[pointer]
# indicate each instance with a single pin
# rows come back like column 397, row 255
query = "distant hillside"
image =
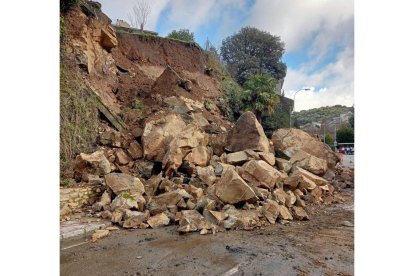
column 319, row 114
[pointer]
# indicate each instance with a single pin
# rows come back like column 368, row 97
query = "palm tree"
column 259, row 94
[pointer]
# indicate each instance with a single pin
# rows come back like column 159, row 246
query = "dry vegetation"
column 79, row 118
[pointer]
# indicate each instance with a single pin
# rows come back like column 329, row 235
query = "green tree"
column 278, row 119
column 182, row 34
column 351, row 121
column 296, row 124
column 231, row 105
column 329, row 139
column 345, row 135
column 259, row 94
column 252, row 51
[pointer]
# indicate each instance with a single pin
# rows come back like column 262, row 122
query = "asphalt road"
column 321, row 246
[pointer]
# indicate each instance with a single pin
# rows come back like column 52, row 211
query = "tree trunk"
column 142, row 27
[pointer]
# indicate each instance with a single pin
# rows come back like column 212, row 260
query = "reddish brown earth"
column 320, row 246
column 130, row 71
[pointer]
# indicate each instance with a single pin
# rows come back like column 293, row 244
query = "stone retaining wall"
column 77, row 197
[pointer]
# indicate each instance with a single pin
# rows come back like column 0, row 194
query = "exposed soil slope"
column 124, row 69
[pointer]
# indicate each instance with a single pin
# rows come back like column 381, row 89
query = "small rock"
column 135, row 150
column 271, row 211
column 117, row 216
column 299, row 213
column 124, row 200
column 268, row 157
column 105, row 199
column 106, row 214
column 346, row 223
column 284, row 213
column 99, row 234
column 121, row 157
column 191, row 220
column 112, row 228
column 283, row 165
column 65, row 211
column 203, row 231
column 136, row 220
column 206, row 174
column 158, row 220
column 237, row 158
column 144, row 168
column 215, row 217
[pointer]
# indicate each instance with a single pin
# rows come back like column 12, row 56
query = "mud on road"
column 321, row 246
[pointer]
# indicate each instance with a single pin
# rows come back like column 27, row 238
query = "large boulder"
column 231, row 188
column 158, row 134
column 95, row 163
column 289, row 141
column 184, row 143
column 247, row 133
column 120, row 182
column 316, row 179
column 309, row 162
column 261, row 174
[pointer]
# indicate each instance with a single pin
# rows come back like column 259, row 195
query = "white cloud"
column 189, row 13
column 331, row 85
column 319, row 28
column 296, row 21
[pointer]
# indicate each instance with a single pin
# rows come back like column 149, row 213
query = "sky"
column 318, row 36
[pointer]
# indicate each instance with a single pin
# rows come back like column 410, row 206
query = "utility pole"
column 291, row 111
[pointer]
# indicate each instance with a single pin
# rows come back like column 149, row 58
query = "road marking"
column 74, row 245
column 232, row 271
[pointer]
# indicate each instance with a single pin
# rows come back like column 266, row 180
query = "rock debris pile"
column 176, row 171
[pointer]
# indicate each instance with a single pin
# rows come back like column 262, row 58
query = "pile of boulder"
column 170, row 173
